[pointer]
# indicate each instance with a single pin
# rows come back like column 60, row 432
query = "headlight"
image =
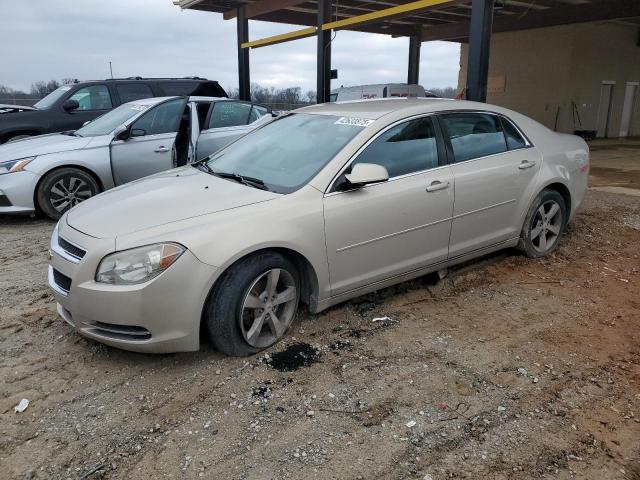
column 137, row 265
column 15, row 165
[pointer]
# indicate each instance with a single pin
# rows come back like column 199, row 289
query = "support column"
column 323, row 88
column 413, row 74
column 244, row 88
column 479, row 45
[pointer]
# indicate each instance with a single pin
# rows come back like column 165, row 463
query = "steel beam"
column 284, row 37
column 244, row 79
column 413, row 72
column 323, row 88
column 479, row 45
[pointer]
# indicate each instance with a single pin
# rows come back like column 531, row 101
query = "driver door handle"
column 437, row 185
column 526, row 164
column 161, row 149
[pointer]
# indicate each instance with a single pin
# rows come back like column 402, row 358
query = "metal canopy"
column 445, row 21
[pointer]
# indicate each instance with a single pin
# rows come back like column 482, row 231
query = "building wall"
column 541, row 72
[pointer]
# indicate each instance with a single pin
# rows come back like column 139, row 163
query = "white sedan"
column 319, row 206
column 54, row 172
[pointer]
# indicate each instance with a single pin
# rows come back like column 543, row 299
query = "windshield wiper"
column 250, row 181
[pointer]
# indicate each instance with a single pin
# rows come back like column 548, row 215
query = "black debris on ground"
column 293, row 357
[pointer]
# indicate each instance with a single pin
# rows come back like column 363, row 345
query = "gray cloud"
column 69, row 38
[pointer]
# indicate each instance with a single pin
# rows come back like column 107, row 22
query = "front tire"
column 18, row 137
column 253, row 304
column 544, row 225
column 63, row 189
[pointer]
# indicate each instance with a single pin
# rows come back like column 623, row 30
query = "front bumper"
column 159, row 316
column 17, row 192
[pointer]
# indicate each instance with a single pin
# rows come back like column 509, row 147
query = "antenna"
column 110, row 69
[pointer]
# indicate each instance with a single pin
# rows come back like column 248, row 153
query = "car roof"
column 376, row 108
column 157, row 100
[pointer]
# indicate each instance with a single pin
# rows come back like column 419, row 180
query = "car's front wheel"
column 544, row 224
column 64, row 188
column 253, row 304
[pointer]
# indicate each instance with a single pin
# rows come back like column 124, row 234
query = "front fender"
column 94, row 160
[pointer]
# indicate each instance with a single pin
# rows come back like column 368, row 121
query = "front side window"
column 406, row 148
column 95, row 97
column 161, row 119
column 256, row 112
column 474, row 135
column 129, row 92
column 229, row 114
column 288, row 152
column 108, row 122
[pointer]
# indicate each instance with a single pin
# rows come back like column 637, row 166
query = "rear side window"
column 512, row 135
column 474, row 135
column 406, row 148
column 161, row 119
column 179, row 88
column 129, row 92
column 229, row 114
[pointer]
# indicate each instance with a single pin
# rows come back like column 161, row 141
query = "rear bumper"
column 159, row 316
column 17, row 192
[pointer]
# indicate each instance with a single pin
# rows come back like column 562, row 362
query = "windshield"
column 286, row 153
column 108, row 122
column 52, row 98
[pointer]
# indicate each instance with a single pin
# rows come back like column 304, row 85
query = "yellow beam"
column 382, row 14
column 285, row 37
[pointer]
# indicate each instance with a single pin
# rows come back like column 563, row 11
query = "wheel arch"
column 83, row 168
column 308, row 276
column 563, row 190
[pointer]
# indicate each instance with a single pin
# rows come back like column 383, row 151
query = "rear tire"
column 64, row 188
column 544, row 225
column 253, row 304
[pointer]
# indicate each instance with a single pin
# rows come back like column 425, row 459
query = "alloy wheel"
column 546, row 226
column 268, row 308
column 68, row 192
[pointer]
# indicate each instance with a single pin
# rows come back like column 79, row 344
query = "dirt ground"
column 508, row 368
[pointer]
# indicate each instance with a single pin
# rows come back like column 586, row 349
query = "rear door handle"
column 526, row 164
column 161, row 150
column 437, row 185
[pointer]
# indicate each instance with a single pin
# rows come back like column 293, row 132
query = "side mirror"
column 366, row 173
column 138, row 132
column 121, row 133
column 70, row 105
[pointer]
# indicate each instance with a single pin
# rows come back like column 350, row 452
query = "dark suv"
column 70, row 106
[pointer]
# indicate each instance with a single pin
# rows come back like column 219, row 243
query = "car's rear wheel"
column 62, row 189
column 253, row 304
column 544, row 225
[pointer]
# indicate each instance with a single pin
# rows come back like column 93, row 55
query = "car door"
column 390, row 228
column 227, row 121
column 148, row 149
column 494, row 167
column 93, row 101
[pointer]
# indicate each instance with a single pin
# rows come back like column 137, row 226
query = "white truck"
column 381, row 90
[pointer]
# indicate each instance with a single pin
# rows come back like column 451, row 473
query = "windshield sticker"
column 139, row 108
column 355, row 121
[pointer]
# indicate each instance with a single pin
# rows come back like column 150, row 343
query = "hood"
column 163, row 198
column 6, row 108
column 41, row 145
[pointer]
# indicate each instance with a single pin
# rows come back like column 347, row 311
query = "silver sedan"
column 319, row 206
column 54, row 172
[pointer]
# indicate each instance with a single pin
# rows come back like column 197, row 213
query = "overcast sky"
column 54, row 39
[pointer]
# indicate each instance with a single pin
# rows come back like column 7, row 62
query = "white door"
column 493, row 172
column 394, row 227
column 226, row 122
column 604, row 109
column 628, row 107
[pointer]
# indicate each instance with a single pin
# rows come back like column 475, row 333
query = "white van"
column 382, row 90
